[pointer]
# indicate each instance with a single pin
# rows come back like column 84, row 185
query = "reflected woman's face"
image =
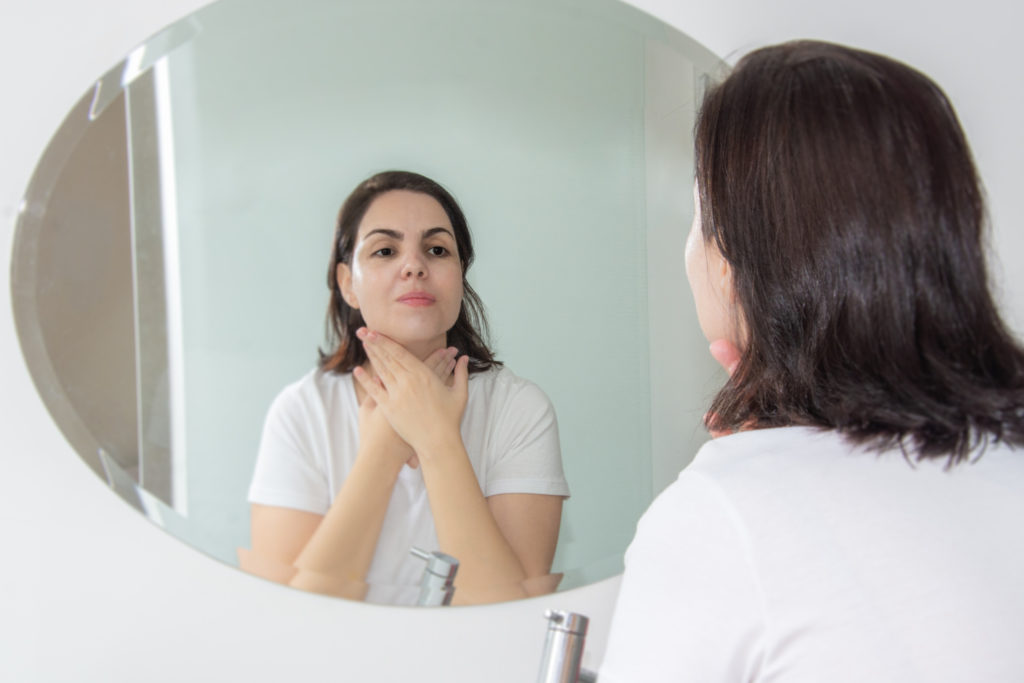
column 405, row 277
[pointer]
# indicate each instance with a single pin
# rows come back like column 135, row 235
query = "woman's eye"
column 437, row 251
column 386, row 251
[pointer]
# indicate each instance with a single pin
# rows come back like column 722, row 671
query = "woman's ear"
column 343, row 274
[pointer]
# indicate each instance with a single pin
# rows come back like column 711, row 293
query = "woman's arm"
column 530, row 523
column 332, row 553
column 337, row 556
column 504, row 544
column 500, row 542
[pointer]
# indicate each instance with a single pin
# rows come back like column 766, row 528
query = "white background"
column 89, row 592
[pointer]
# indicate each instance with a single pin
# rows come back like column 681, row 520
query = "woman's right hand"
column 376, row 434
column 424, row 412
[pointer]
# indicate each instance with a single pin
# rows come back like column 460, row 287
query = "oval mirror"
column 169, row 259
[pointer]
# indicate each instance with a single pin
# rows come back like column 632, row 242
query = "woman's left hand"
column 421, row 408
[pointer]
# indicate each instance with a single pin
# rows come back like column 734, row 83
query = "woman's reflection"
column 410, row 432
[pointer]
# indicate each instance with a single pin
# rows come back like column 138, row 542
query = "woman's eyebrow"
column 394, row 234
column 433, row 231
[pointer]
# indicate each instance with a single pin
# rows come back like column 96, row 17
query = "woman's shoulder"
column 773, row 445
column 745, row 476
column 499, row 376
column 735, row 464
column 315, row 387
column 498, row 383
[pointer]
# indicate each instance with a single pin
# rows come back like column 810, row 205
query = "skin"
column 405, row 245
column 406, row 280
column 710, row 278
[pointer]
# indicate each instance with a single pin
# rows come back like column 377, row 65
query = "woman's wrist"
column 440, row 447
column 385, row 466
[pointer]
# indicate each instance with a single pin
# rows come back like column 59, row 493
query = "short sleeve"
column 528, row 456
column 689, row 606
column 287, row 473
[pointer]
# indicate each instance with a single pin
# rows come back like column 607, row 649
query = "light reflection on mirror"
column 168, row 274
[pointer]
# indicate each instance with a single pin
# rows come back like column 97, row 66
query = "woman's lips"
column 416, row 299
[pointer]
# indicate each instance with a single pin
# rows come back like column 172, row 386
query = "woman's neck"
column 423, row 349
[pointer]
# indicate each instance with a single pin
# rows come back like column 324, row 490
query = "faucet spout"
column 437, row 586
column 563, row 648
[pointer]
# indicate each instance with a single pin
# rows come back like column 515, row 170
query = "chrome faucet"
column 437, row 584
column 563, row 649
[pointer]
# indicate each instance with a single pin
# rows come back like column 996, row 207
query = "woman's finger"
column 387, row 349
column 461, row 384
column 442, row 362
column 375, row 392
column 436, row 361
column 384, row 363
column 381, row 368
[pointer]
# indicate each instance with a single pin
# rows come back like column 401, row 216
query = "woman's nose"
column 414, row 267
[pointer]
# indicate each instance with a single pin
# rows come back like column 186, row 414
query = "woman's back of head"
column 840, row 189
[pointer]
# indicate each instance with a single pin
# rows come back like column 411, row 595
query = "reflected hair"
column 470, row 332
column 840, row 188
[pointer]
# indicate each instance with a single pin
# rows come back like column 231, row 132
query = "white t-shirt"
column 790, row 555
column 311, row 438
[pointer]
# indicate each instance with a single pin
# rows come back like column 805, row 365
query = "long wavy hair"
column 840, row 188
column 470, row 331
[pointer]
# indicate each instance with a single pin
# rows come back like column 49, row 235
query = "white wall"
column 89, row 592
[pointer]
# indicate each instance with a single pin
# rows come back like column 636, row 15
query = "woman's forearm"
column 342, row 548
column 426, row 413
column 488, row 566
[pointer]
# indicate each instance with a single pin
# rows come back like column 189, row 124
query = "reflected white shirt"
column 311, row 438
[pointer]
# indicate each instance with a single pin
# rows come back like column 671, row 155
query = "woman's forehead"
column 404, row 212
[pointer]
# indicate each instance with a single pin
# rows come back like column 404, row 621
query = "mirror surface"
column 169, row 263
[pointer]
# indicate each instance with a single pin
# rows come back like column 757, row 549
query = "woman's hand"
column 423, row 410
column 333, row 552
column 375, row 432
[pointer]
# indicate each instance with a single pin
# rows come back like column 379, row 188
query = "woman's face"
column 405, row 277
column 710, row 281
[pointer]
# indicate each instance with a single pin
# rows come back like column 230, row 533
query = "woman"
column 860, row 520
column 410, row 433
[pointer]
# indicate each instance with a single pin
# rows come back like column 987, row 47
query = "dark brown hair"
column 840, row 188
column 470, row 330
